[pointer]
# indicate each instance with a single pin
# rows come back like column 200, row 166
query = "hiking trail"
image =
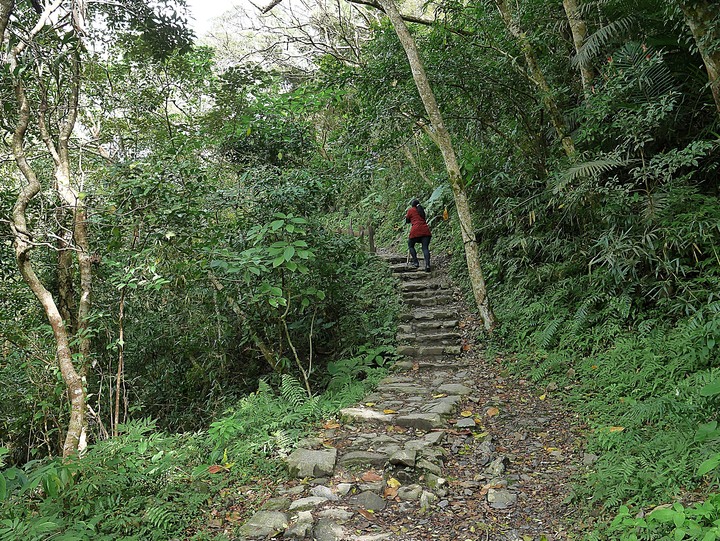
column 447, row 447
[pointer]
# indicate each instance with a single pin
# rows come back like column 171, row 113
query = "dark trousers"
column 425, row 241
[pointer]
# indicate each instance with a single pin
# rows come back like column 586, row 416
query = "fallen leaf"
column 466, row 413
column 215, row 469
column 371, row 477
column 617, row 428
column 331, row 424
column 389, row 411
column 394, row 483
column 441, row 395
column 390, row 493
column 543, row 396
column 492, row 412
column 551, row 449
column 367, row 513
column 416, row 366
column 369, row 404
column 467, row 347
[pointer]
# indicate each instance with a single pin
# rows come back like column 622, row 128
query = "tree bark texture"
column 699, row 15
column 6, row 7
column 579, row 35
column 441, row 136
column 537, row 76
column 23, row 238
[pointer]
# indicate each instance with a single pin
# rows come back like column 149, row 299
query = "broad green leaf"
column 663, row 515
column 711, row 389
column 278, row 261
column 709, row 464
column 289, row 253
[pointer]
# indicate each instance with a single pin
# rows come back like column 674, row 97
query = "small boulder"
column 309, row 463
column 410, row 492
column 321, row 491
column 368, row 500
column 501, row 498
column 405, row 457
column 303, row 504
column 264, row 524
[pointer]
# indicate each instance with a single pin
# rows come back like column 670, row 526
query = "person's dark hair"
column 416, row 203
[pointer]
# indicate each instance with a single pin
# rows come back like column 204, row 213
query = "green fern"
column 292, row 391
column 160, row 517
column 597, row 42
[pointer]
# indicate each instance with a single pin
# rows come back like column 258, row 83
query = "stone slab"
column 311, row 463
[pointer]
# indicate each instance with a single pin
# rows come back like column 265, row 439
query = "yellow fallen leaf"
column 492, row 412
column 466, row 413
column 543, row 396
column 393, row 483
column 389, row 411
column 369, row 404
column 551, row 449
column 441, row 395
column 617, row 428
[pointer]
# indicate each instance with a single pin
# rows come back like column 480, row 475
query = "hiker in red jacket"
column 419, row 232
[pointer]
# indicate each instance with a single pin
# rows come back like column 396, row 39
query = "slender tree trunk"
column 441, row 136
column 537, row 76
column 6, row 7
column 23, row 244
column 579, row 34
column 23, row 240
column 699, row 15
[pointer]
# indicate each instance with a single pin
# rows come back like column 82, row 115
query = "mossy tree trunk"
column 578, row 28
column 703, row 19
column 537, row 76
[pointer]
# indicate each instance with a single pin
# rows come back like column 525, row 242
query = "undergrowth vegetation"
column 149, row 485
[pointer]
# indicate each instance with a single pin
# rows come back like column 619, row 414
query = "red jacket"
column 419, row 226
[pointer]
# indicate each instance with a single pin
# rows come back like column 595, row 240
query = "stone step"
column 437, row 300
column 427, row 325
column 446, row 338
column 402, row 268
column 427, row 293
column 428, row 351
column 419, row 285
column 431, row 364
column 393, row 259
column 427, row 315
column 413, row 274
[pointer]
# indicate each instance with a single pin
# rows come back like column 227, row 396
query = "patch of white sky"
column 204, row 12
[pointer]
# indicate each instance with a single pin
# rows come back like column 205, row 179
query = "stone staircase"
column 427, row 335
column 388, row 449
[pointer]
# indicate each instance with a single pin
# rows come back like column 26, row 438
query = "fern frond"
column 161, row 517
column 292, row 391
column 595, row 43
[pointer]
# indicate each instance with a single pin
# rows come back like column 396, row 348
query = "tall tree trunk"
column 699, row 15
column 537, row 76
column 441, row 136
column 23, row 239
column 579, row 34
column 23, row 244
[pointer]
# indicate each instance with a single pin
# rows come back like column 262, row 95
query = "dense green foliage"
column 215, row 201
